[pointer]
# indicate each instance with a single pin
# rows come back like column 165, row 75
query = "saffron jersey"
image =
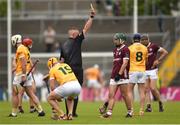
column 138, row 57
column 62, row 73
column 22, row 52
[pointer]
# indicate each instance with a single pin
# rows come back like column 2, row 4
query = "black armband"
column 92, row 16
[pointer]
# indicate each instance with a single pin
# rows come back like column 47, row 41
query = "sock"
column 160, row 103
column 106, row 104
column 130, row 111
column 39, row 108
column 148, row 105
column 60, row 113
column 75, row 105
column 14, row 111
column 53, row 110
column 141, row 110
column 31, row 107
column 67, row 112
column 20, row 107
column 109, row 112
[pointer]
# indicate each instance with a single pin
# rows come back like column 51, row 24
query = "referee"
column 71, row 52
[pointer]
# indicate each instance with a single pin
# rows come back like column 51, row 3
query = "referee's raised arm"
column 88, row 24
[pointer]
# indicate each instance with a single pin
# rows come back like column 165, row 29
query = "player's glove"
column 23, row 80
column 22, row 83
column 117, row 77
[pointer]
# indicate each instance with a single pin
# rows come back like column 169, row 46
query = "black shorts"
column 79, row 74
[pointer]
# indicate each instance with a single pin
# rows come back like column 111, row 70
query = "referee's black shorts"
column 78, row 71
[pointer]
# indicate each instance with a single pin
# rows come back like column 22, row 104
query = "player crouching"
column 69, row 87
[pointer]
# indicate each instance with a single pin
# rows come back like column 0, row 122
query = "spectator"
column 160, row 20
column 109, row 7
column 49, row 37
column 99, row 6
column 116, row 8
column 57, row 47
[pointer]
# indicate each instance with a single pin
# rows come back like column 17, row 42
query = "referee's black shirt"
column 71, row 51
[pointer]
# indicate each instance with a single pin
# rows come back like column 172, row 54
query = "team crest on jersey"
column 118, row 53
column 150, row 49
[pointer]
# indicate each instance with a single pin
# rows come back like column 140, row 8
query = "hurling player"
column 152, row 70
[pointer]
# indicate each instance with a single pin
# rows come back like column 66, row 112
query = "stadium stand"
column 101, row 32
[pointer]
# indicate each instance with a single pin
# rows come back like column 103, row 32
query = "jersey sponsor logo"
column 117, row 53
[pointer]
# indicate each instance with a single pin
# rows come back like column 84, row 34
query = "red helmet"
column 27, row 42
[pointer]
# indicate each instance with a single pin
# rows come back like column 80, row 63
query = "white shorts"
column 152, row 74
column 137, row 77
column 17, row 80
column 69, row 89
column 93, row 84
column 121, row 81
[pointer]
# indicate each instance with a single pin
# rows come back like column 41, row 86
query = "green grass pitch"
column 88, row 114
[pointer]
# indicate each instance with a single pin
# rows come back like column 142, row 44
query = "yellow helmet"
column 51, row 61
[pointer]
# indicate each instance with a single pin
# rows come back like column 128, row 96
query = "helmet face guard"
column 121, row 41
column 121, row 37
column 51, row 62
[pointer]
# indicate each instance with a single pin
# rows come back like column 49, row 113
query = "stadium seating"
column 107, row 27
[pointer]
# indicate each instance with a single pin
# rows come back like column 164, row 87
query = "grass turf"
column 88, row 114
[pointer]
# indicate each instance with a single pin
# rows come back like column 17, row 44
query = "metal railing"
column 50, row 8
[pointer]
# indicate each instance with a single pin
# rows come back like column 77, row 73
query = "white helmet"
column 96, row 66
column 16, row 39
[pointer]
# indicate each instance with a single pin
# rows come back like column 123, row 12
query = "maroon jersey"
column 152, row 53
column 119, row 55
